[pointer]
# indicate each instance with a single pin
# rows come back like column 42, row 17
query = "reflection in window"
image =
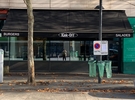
column 76, row 50
column 5, row 46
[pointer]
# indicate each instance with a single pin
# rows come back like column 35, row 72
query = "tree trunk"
column 44, row 49
column 31, row 67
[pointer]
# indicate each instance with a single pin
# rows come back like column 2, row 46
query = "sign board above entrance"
column 123, row 35
column 10, row 34
column 68, row 35
column 100, row 47
column 65, row 35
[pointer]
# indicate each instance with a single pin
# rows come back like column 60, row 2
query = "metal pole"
column 100, row 25
column 100, row 34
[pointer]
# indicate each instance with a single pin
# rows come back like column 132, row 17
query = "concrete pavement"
column 67, row 87
column 34, row 95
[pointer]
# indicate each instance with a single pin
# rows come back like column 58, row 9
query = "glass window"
column 15, row 48
column 4, row 44
column 55, row 50
column 74, row 50
column 18, row 48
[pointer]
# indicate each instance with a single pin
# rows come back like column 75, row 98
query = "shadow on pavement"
column 115, row 96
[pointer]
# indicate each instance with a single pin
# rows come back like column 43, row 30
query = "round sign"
column 96, row 45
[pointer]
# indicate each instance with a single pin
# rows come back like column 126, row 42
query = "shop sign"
column 123, row 35
column 68, row 35
column 11, row 34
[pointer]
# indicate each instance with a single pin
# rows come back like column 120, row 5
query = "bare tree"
column 31, row 67
column 44, row 49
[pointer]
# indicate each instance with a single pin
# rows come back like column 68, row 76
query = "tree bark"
column 44, row 49
column 31, row 67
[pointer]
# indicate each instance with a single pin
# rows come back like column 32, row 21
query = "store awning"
column 68, row 24
column 3, row 14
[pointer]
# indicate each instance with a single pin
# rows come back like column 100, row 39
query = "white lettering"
column 71, row 35
column 68, row 35
column 11, row 34
column 64, row 35
column 123, row 35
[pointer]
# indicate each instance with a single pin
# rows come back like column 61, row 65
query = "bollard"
column 1, row 65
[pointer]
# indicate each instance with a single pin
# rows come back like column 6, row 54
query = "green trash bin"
column 92, row 68
column 108, row 68
column 101, row 65
column 91, row 58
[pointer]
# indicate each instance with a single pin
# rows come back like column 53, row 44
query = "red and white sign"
column 100, row 48
column 97, row 47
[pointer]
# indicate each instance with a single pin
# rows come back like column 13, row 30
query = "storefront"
column 129, row 51
column 55, row 30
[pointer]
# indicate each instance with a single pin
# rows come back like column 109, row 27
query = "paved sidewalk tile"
column 12, row 91
column 65, row 96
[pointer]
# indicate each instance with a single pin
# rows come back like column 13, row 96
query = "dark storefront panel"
column 68, row 24
column 50, row 66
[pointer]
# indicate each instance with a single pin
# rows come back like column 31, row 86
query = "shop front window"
column 18, row 48
column 55, row 50
column 48, row 50
column 5, row 46
column 15, row 48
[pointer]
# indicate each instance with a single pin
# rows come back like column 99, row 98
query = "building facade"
column 127, row 5
column 78, row 50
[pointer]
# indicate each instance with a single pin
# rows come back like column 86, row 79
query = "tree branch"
column 130, row 3
column 25, row 2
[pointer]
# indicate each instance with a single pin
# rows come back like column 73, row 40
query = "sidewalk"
column 58, row 86
column 71, row 81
